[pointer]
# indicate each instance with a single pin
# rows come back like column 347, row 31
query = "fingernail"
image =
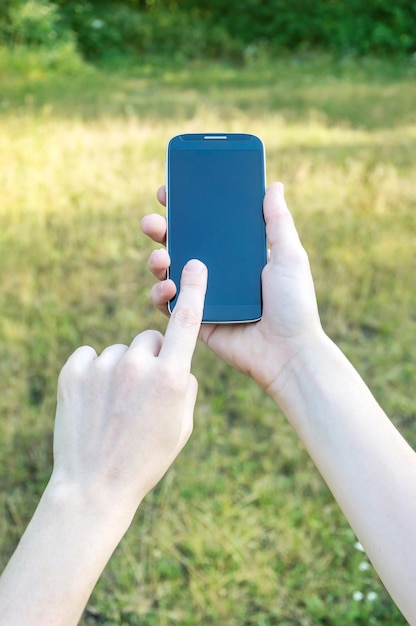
column 194, row 266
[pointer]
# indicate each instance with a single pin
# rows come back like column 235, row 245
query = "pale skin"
column 123, row 417
column 121, row 420
column 369, row 467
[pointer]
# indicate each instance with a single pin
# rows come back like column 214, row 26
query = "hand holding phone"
column 290, row 317
column 215, row 190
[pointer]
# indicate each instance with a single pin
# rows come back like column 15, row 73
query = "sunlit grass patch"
column 242, row 530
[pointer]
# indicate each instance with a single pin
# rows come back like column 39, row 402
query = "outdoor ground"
column 242, row 531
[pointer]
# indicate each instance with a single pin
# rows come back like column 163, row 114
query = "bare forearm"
column 58, row 561
column 367, row 464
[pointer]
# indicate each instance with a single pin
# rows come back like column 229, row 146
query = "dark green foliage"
column 33, row 23
column 213, row 28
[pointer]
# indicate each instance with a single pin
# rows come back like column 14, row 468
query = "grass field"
column 242, row 531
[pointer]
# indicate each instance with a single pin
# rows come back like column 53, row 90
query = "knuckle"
column 303, row 258
column 186, row 316
column 72, row 375
column 173, row 381
column 158, row 295
column 73, row 370
column 298, row 256
column 130, row 366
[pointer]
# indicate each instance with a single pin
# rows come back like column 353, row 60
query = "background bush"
column 215, row 28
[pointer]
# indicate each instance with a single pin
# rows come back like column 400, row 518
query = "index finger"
column 185, row 322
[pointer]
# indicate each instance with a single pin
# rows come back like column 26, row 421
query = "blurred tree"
column 191, row 28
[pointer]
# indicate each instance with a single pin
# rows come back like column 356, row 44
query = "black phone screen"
column 215, row 198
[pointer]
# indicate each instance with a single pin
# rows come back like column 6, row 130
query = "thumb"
column 280, row 227
column 185, row 322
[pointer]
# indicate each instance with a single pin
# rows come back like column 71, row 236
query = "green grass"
column 242, row 531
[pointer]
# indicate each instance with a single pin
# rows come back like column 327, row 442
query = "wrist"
column 303, row 358
column 93, row 508
column 60, row 557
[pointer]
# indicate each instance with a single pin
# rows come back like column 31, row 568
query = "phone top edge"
column 207, row 139
column 201, row 135
column 219, row 136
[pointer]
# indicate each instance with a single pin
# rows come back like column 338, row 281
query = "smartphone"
column 214, row 199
